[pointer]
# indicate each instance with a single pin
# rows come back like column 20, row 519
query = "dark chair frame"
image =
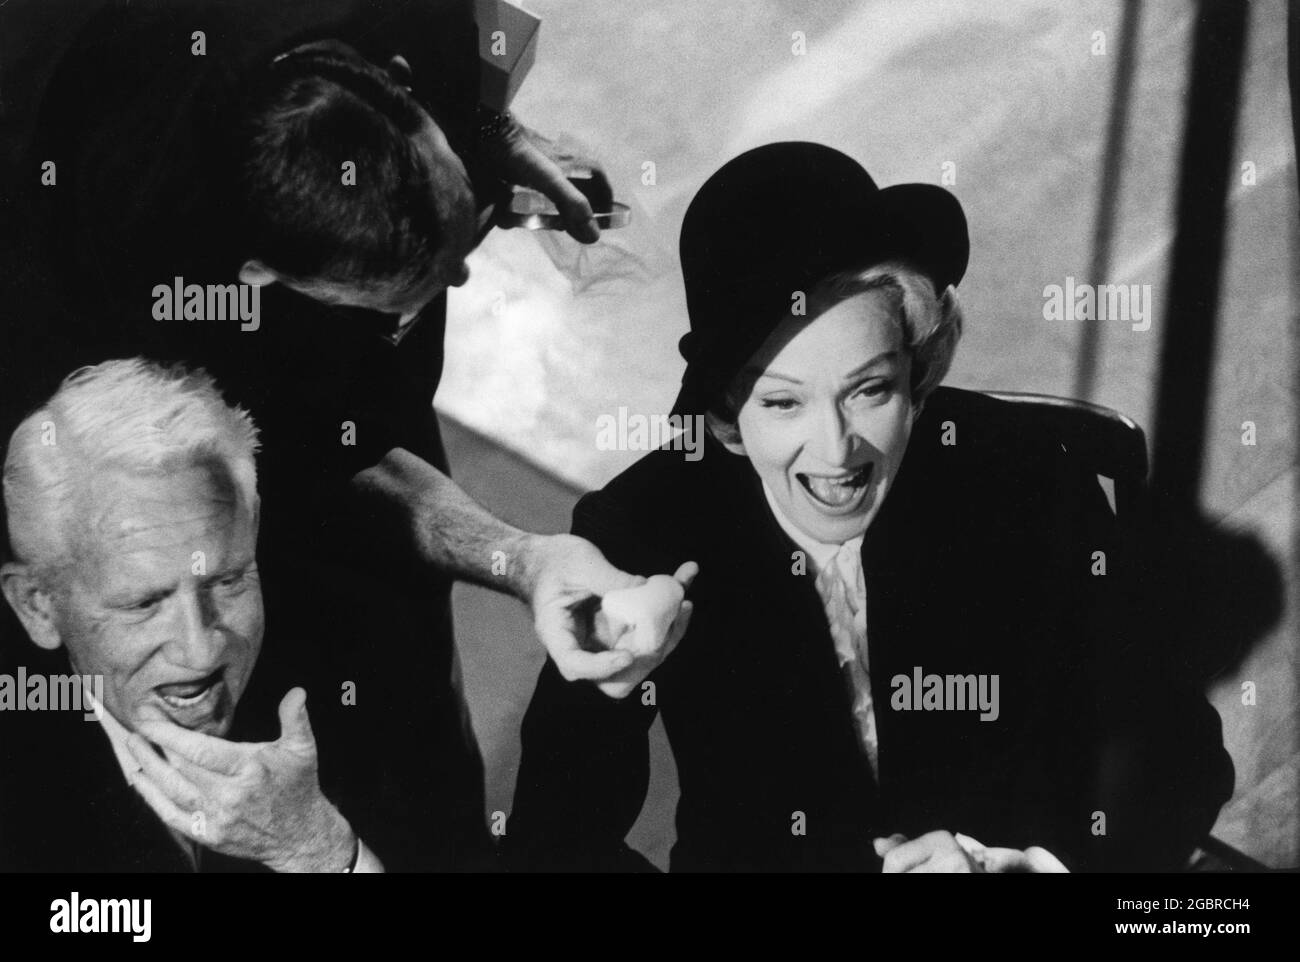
column 1114, row 446
column 1111, row 443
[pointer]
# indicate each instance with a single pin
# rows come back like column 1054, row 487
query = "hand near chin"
column 255, row 801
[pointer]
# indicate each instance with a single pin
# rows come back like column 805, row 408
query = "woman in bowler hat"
column 899, row 657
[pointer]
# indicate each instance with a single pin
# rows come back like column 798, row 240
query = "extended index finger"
column 686, row 573
column 535, row 169
column 205, row 751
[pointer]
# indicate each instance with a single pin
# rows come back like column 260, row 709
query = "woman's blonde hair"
column 930, row 324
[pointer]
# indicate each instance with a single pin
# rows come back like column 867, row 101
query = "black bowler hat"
column 779, row 219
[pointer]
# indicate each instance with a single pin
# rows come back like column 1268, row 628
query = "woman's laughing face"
column 829, row 416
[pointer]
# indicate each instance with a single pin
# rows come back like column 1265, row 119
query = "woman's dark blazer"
column 982, row 560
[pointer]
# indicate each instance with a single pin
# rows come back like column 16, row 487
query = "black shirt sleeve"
column 585, row 766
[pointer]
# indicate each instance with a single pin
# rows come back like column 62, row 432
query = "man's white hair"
column 133, row 415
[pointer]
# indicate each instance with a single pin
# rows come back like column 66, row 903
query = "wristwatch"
column 494, row 126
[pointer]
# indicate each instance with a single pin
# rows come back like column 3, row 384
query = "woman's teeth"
column 836, row 492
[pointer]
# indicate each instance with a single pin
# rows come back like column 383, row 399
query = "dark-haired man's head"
column 352, row 193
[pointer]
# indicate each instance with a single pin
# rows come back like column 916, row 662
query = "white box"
column 507, row 47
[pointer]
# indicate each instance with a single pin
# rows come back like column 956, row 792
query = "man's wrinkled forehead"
column 127, row 512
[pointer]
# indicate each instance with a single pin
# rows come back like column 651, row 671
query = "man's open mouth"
column 193, row 697
column 840, row 492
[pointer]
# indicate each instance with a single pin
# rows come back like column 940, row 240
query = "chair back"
column 1110, row 443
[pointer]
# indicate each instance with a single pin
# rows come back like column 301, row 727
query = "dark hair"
column 308, row 112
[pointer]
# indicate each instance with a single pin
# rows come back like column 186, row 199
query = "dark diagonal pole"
column 1112, row 163
column 1191, row 301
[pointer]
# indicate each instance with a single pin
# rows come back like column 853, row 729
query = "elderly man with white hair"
column 132, row 510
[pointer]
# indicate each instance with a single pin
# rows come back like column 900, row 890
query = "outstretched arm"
column 556, row 575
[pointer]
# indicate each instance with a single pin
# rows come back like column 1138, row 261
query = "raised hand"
column 256, row 801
